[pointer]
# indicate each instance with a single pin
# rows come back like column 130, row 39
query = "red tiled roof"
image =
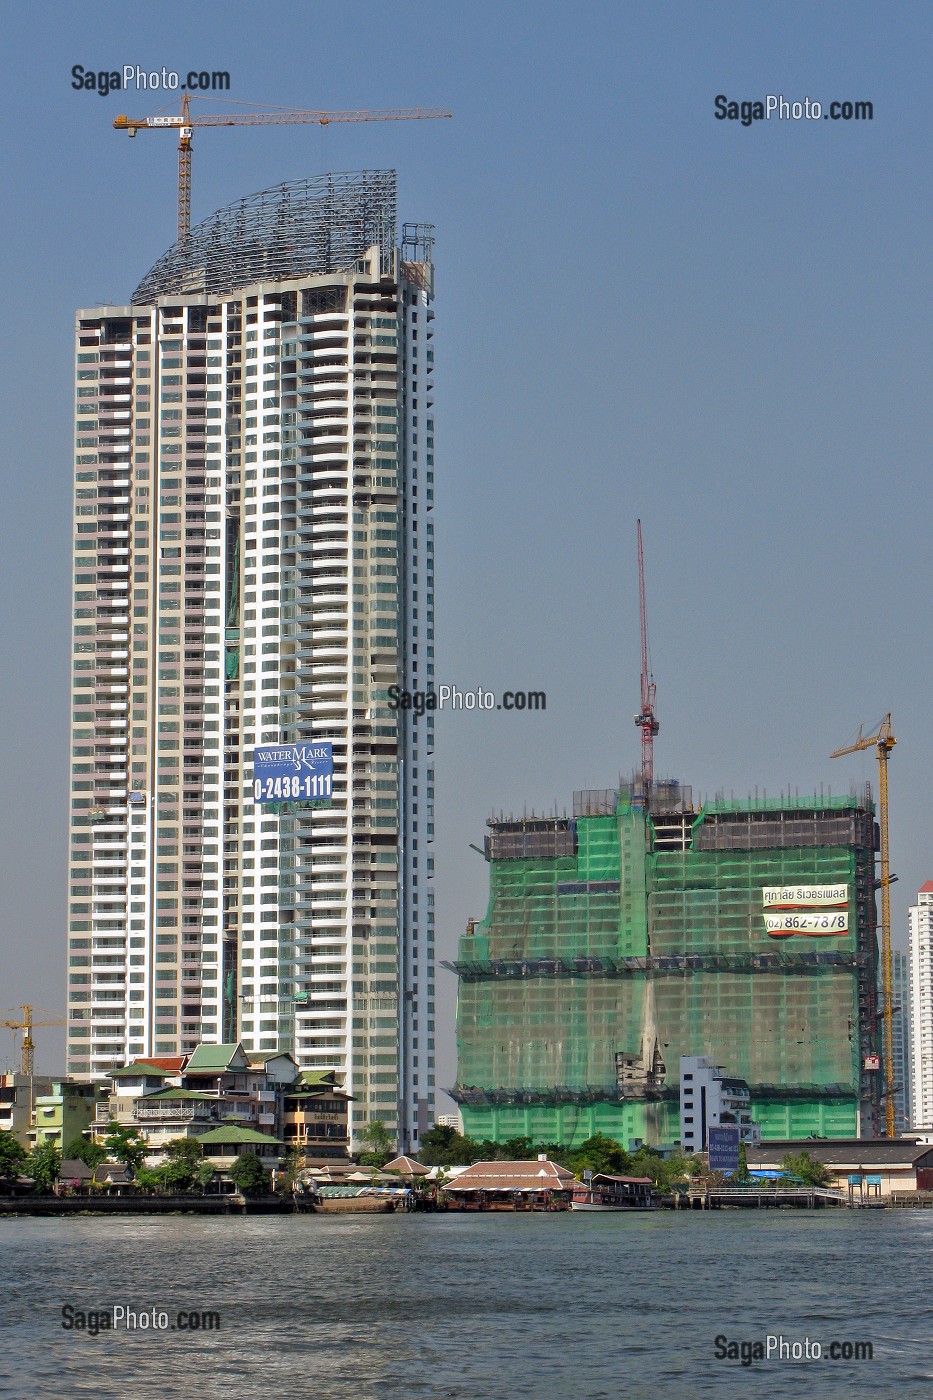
column 406, row 1166
column 513, row 1176
column 172, row 1064
column 927, row 888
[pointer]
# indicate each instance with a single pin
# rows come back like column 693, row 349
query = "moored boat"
column 606, row 1191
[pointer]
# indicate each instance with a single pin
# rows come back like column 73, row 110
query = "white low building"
column 709, row 1098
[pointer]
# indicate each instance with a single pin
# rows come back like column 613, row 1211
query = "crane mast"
column 645, row 720
column 883, row 740
column 27, row 1058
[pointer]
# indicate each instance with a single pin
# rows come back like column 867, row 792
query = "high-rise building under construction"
column 626, row 936
column 254, row 564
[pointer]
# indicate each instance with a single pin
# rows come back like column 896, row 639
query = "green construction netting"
column 627, row 1123
column 555, row 908
column 526, row 1026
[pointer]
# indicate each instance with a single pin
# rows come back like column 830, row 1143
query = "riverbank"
column 145, row 1205
column 723, row 1202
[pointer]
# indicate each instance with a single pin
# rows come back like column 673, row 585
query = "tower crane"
column 883, row 739
column 645, row 721
column 184, row 123
column 27, row 1051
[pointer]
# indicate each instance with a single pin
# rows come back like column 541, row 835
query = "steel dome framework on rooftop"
column 296, row 229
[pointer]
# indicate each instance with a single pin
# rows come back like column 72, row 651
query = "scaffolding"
column 641, row 935
column 299, row 228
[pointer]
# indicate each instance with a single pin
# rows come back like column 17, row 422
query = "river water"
column 479, row 1306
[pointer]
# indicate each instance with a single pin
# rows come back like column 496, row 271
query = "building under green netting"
column 628, row 935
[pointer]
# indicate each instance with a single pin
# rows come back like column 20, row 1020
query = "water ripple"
column 469, row 1307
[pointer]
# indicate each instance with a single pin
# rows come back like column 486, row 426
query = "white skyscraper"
column 920, row 955
column 254, row 563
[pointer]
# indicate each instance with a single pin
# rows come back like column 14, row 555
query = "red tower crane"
column 645, row 720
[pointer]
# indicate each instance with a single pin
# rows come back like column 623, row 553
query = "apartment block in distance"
column 920, row 958
column 254, row 564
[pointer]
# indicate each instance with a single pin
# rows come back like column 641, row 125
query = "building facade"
column 62, row 1113
column 218, row 1087
column 316, row 1119
column 920, row 958
column 18, row 1093
column 622, row 938
column 864, row 1170
column 709, row 1098
column 254, row 564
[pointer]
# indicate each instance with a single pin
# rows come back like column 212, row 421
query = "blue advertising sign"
column 723, row 1149
column 293, row 772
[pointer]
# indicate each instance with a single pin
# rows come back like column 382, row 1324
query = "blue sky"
column 642, row 311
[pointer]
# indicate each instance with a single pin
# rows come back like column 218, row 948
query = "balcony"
column 178, row 1111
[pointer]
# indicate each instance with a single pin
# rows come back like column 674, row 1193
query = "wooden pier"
column 765, row 1196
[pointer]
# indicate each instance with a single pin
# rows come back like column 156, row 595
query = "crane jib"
column 279, row 117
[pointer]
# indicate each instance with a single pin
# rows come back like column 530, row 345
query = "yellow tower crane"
column 27, row 1051
column 884, row 740
column 184, row 123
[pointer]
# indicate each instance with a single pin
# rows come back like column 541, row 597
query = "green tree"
column 12, row 1157
column 81, row 1149
column 249, row 1175
column 444, row 1147
column 177, row 1175
column 294, row 1158
column 742, row 1174
column 810, row 1171
column 206, row 1174
column 436, row 1145
column 43, row 1165
column 126, row 1145
column 147, row 1179
column 516, row 1149
column 179, row 1171
column 666, row 1172
column 556, row 1152
column 378, row 1146
column 184, row 1149
column 600, row 1154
